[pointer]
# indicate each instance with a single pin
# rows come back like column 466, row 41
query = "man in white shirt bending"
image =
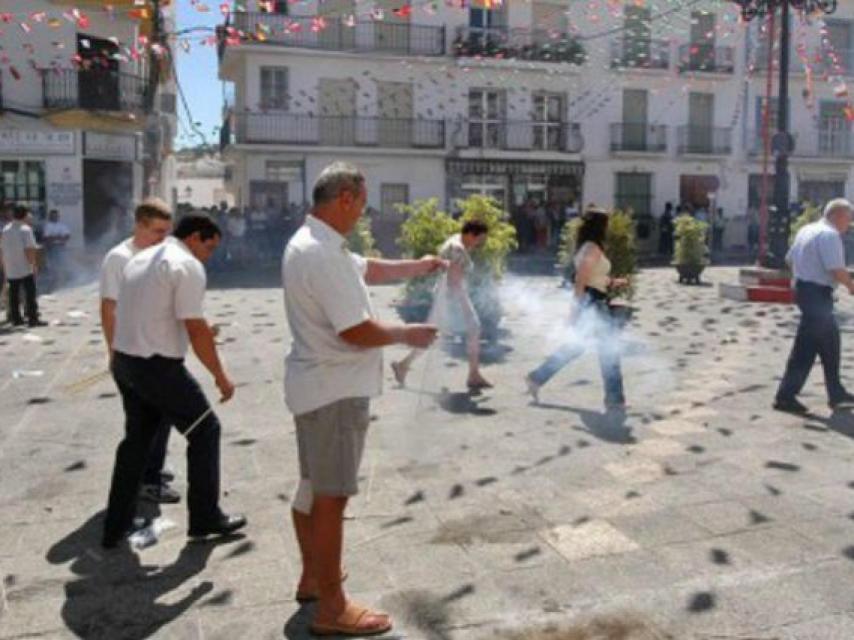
column 158, row 316
column 153, row 222
column 332, row 371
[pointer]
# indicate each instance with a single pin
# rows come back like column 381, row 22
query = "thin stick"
column 198, row 422
column 87, row 382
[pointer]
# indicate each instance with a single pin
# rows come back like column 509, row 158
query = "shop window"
column 23, row 183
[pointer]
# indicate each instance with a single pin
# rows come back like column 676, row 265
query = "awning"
column 514, row 167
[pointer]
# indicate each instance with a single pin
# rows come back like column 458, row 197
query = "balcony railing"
column 641, row 137
column 825, row 143
column 337, row 131
column 93, row 89
column 518, row 44
column 706, row 58
column 640, row 53
column 505, row 135
column 340, row 34
column 705, row 140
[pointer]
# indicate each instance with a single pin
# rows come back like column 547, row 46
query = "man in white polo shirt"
column 333, row 369
column 153, row 223
column 18, row 249
column 158, row 316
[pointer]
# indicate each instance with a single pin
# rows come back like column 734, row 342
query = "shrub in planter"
column 690, row 256
column 620, row 247
column 809, row 214
column 361, row 239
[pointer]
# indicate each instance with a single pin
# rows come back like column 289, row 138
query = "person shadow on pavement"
column 115, row 596
column 608, row 426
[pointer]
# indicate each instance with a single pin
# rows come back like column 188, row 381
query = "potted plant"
column 690, row 256
column 361, row 238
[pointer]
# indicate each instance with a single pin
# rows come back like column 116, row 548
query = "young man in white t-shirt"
column 153, row 223
column 158, row 317
column 19, row 249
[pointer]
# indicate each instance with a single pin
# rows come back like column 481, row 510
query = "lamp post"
column 783, row 143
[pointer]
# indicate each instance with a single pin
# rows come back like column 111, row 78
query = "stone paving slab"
column 701, row 515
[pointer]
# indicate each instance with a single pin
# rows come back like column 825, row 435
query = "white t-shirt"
column 113, row 266
column 17, row 237
column 162, row 286
column 56, row 230
column 325, row 294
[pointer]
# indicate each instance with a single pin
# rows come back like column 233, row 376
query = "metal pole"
column 780, row 221
column 151, row 143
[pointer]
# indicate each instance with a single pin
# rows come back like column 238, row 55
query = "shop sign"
column 107, row 146
column 19, row 141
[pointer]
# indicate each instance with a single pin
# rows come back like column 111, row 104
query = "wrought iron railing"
column 336, row 131
column 827, row 142
column 336, row 33
column 518, row 136
column 705, row 140
column 94, row 89
column 631, row 136
column 640, row 53
column 706, row 57
column 518, row 44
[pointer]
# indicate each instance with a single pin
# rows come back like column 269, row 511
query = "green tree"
column 690, row 246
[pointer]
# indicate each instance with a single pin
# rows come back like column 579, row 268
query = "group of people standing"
column 539, row 223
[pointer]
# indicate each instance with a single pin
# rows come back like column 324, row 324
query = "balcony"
column 337, row 131
column 93, row 90
column 561, row 137
column 518, row 44
column 760, row 60
column 337, row 34
column 706, row 58
column 640, row 53
column 711, row 141
column 638, row 138
column 828, row 143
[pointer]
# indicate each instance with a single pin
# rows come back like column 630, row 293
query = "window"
column 280, row 7
column 486, row 119
column 634, row 191
column 23, row 183
column 274, row 88
column 548, row 121
column 392, row 195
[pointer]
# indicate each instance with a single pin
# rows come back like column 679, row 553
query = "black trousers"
column 157, row 457
column 31, row 306
column 818, row 335
column 154, row 391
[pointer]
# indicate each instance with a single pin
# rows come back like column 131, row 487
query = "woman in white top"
column 451, row 290
column 590, row 313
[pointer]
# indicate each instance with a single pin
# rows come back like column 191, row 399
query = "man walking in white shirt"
column 158, row 316
column 153, row 224
column 19, row 251
column 332, row 371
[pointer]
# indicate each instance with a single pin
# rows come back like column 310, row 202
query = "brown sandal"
column 353, row 622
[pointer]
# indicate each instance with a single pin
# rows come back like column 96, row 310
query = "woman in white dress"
column 452, row 290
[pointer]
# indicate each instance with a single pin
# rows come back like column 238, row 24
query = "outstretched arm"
column 381, row 271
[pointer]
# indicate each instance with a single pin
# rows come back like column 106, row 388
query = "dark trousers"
column 154, row 391
column 31, row 306
column 818, row 335
column 157, row 457
column 606, row 340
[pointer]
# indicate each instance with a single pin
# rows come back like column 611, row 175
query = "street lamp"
column 783, row 145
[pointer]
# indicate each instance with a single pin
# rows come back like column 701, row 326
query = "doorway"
column 107, row 196
column 695, row 191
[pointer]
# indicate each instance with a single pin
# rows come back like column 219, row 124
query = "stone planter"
column 689, row 273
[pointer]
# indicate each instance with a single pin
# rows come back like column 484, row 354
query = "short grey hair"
column 337, row 177
column 838, row 203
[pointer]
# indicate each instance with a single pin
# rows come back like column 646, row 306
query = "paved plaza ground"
column 703, row 515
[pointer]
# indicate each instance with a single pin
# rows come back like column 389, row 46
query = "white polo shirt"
column 325, row 294
column 113, row 266
column 16, row 239
column 161, row 287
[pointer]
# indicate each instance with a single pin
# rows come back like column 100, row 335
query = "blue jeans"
column 154, row 391
column 818, row 335
column 606, row 339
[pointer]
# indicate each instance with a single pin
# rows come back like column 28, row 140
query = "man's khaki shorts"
column 330, row 441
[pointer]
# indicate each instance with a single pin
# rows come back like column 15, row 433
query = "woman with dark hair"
column 590, row 315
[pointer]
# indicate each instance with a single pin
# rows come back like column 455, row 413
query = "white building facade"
column 73, row 113
column 622, row 105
